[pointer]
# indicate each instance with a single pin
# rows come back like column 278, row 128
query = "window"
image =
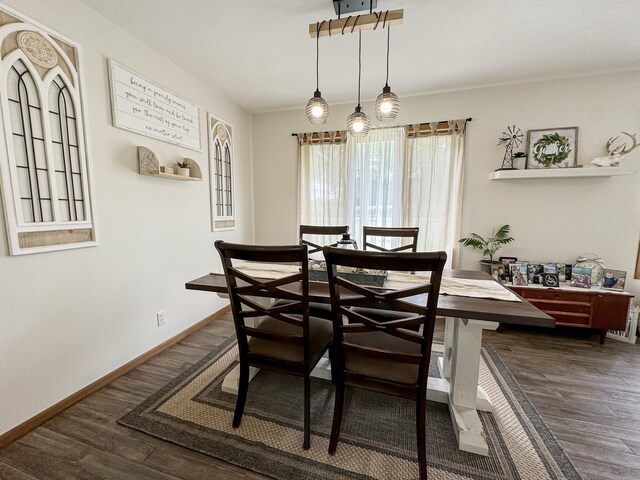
column 44, row 169
column 393, row 177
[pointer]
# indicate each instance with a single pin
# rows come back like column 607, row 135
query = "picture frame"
column 552, row 148
column 500, row 273
column 581, row 277
column 506, row 261
column 562, row 272
column 519, row 275
column 534, row 270
column 549, row 268
column 614, row 279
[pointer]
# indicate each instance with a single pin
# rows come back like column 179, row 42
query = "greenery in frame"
column 489, row 245
column 551, row 149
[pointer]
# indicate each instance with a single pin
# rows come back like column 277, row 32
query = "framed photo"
column 614, row 279
column 534, row 270
column 562, row 272
column 581, row 277
column 506, row 261
column 519, row 274
column 552, row 148
column 500, row 273
column 550, row 280
column 549, row 268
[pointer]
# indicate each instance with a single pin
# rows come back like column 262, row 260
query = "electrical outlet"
column 161, row 317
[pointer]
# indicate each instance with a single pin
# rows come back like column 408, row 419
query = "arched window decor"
column 45, row 177
column 221, row 173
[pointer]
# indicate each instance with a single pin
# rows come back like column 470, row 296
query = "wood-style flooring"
column 589, row 394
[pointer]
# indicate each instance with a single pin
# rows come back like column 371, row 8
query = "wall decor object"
column 616, row 153
column 552, row 148
column 510, row 138
column 44, row 163
column 142, row 106
column 614, row 279
column 148, row 164
column 221, row 174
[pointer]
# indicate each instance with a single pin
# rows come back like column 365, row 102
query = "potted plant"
column 183, row 168
column 489, row 245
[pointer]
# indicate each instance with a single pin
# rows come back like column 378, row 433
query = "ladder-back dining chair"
column 386, row 357
column 328, row 234
column 328, row 231
column 403, row 233
column 287, row 339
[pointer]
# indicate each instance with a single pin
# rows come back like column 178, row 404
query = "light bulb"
column 386, row 107
column 357, row 126
column 317, row 111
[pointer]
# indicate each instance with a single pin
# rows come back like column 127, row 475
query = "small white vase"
column 183, row 171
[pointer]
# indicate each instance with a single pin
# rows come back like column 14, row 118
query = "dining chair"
column 286, row 339
column 321, row 230
column 386, row 357
column 329, row 233
column 393, row 232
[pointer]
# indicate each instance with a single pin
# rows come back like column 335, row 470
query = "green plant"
column 184, row 164
column 489, row 245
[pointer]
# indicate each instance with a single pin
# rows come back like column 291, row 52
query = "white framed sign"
column 142, row 106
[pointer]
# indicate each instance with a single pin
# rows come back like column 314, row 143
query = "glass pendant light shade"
column 358, row 123
column 387, row 105
column 317, row 109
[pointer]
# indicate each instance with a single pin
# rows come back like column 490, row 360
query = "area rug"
column 378, row 431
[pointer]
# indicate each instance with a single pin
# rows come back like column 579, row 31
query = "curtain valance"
column 326, row 138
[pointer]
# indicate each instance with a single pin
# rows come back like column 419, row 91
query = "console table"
column 578, row 307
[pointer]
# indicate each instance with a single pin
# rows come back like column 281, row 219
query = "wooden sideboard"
column 583, row 308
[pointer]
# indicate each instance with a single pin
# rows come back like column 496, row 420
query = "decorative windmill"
column 510, row 138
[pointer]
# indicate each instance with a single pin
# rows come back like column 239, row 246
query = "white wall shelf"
column 562, row 173
column 148, row 164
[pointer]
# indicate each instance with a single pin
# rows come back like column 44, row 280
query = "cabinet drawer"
column 561, row 305
column 566, row 318
column 556, row 295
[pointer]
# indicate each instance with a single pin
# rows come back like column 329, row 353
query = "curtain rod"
column 397, row 126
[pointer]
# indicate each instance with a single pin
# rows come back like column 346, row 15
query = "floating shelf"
column 562, row 173
column 148, row 164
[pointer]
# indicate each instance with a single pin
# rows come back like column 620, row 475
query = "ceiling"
column 259, row 53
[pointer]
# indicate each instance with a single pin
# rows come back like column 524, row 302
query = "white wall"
column 552, row 220
column 68, row 318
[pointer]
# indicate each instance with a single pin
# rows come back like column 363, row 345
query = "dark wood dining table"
column 459, row 365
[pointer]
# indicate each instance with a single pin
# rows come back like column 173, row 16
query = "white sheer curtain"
column 323, row 183
column 393, row 177
column 377, row 163
column 433, row 191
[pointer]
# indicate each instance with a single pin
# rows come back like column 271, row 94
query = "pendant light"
column 358, row 123
column 387, row 103
column 317, row 108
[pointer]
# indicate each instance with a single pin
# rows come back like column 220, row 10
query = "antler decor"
column 616, row 153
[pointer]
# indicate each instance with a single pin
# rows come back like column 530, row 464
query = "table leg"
column 438, row 389
column 463, row 396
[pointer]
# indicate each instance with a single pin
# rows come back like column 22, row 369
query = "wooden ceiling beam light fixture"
column 356, row 23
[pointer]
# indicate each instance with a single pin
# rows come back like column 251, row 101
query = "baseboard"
column 25, row 427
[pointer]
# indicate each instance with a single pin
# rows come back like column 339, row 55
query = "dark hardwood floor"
column 589, row 394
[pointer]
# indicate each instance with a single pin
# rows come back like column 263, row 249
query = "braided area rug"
column 377, row 440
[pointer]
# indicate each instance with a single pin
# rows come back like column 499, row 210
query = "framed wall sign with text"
column 552, row 148
column 144, row 107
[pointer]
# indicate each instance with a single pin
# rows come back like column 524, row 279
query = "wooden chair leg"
column 421, row 404
column 337, row 416
column 307, row 412
column 243, row 387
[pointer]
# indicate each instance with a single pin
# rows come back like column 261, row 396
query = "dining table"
column 467, row 311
